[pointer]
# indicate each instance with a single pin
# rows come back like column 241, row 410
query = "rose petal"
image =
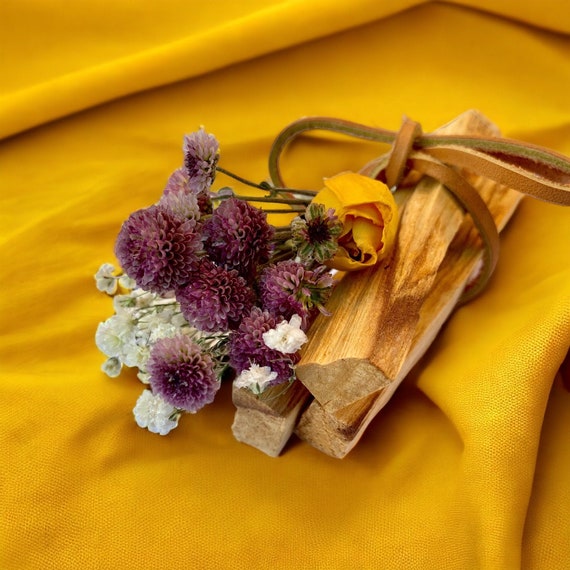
column 369, row 215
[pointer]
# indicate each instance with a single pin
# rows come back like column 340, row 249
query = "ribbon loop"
column 401, row 149
column 527, row 168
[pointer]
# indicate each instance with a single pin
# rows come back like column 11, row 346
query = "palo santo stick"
column 267, row 421
column 407, row 304
column 367, row 304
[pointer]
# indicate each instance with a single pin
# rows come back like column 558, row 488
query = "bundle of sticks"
column 383, row 319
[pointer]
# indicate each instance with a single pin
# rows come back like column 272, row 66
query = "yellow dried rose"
column 369, row 216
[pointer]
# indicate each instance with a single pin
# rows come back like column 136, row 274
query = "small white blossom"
column 143, row 376
column 114, row 334
column 255, row 378
column 153, row 413
column 112, row 367
column 136, row 354
column 126, row 282
column 106, row 281
column 162, row 330
column 286, row 337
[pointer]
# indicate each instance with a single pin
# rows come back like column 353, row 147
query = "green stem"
column 239, row 178
column 265, row 186
column 284, row 211
column 268, row 199
column 282, row 255
column 311, row 193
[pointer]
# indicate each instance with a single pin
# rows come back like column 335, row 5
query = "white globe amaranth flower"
column 287, row 337
column 147, row 331
column 112, row 367
column 105, row 280
column 162, row 330
column 113, row 334
column 153, row 413
column 256, row 378
column 136, row 354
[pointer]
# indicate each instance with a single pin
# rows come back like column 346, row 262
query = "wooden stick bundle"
column 383, row 320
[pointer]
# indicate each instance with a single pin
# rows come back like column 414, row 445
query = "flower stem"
column 277, row 236
column 294, row 191
column 284, row 210
column 265, row 186
column 268, row 199
column 238, row 178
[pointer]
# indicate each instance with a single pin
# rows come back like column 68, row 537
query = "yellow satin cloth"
column 466, row 468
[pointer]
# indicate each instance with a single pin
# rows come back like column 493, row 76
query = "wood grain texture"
column 386, row 318
column 383, row 319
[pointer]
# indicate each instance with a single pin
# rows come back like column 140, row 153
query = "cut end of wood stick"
column 329, row 383
column 337, row 433
column 266, row 422
column 269, row 434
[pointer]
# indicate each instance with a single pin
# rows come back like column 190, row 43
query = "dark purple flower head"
column 288, row 288
column 247, row 347
column 182, row 374
column 158, row 249
column 238, row 237
column 215, row 299
column 200, row 159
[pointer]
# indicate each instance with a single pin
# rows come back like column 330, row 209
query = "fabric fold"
column 251, row 35
column 260, row 32
column 465, row 468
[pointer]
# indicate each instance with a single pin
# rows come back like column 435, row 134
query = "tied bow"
column 527, row 168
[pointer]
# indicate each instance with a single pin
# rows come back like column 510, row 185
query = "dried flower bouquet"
column 208, row 290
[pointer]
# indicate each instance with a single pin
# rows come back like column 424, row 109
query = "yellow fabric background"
column 466, row 468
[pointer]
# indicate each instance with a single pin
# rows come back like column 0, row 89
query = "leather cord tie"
column 530, row 169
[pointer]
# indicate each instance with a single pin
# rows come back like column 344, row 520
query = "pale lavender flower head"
column 215, row 299
column 288, row 288
column 200, row 159
column 177, row 197
column 247, row 347
column 181, row 203
column 238, row 237
column 158, row 249
column 182, row 374
column 178, row 184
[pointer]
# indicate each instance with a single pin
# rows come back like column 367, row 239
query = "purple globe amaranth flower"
column 238, row 236
column 288, row 288
column 178, row 184
column 247, row 347
column 200, row 159
column 215, row 299
column 178, row 199
column 182, row 374
column 158, row 249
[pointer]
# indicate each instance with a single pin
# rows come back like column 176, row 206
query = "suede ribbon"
column 527, row 168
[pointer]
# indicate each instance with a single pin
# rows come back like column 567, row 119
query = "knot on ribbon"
column 527, row 168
